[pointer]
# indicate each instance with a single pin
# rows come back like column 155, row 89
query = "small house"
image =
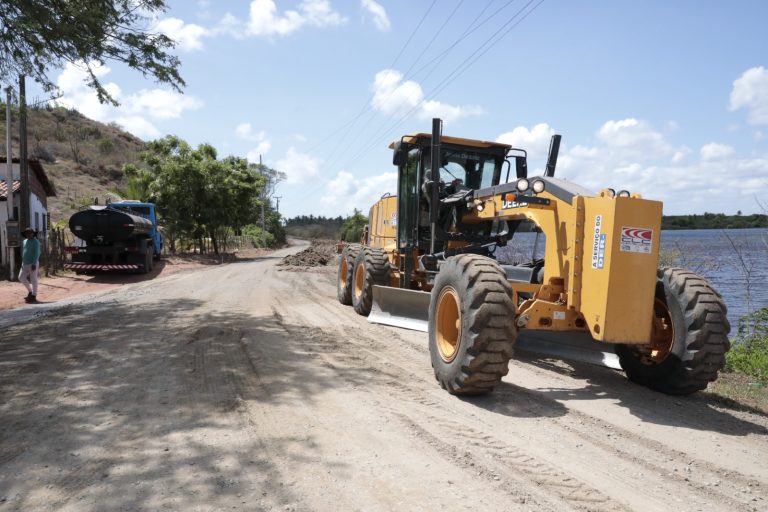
column 40, row 189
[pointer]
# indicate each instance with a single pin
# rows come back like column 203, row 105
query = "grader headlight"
column 623, row 193
column 523, row 184
column 538, row 186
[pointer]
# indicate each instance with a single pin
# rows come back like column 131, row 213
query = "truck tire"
column 151, row 257
column 690, row 333
column 471, row 325
column 344, row 274
column 147, row 261
column 371, row 267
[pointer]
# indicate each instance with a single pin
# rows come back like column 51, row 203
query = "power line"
column 457, row 71
column 352, row 121
column 481, row 50
column 367, row 109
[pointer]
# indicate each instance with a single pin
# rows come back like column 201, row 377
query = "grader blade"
column 408, row 309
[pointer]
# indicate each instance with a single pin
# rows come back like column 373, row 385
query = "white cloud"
column 681, row 154
column 346, row 192
column 535, row 141
column 377, row 14
column 750, row 91
column 264, row 20
column 160, row 103
column 635, row 137
column 246, row 132
column 715, row 151
column 685, row 185
column 395, row 97
column 298, row 167
column 138, row 126
column 136, row 112
column 262, row 148
column 188, row 36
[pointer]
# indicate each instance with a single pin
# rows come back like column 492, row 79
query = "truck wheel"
column 151, row 258
column 344, row 274
column 471, row 325
column 147, row 262
column 371, row 267
column 689, row 336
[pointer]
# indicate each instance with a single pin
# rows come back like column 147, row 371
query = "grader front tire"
column 344, row 274
column 691, row 332
column 371, row 268
column 471, row 325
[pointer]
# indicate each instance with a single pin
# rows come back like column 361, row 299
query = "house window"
column 37, row 221
column 15, row 212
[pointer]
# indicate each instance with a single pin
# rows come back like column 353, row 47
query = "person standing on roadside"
column 30, row 256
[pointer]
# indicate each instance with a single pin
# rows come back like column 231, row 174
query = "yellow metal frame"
column 600, row 258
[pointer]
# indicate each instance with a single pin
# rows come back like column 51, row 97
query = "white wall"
column 35, row 207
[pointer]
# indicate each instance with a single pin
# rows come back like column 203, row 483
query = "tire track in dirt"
column 538, row 474
column 622, row 444
column 225, row 373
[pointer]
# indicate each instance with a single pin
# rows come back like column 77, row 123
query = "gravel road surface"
column 249, row 387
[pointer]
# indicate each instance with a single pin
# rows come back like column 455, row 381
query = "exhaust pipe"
column 554, row 149
column 434, row 203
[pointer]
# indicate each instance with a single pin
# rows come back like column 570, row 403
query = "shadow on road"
column 698, row 411
column 127, row 402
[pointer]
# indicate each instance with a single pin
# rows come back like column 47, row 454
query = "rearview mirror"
column 400, row 154
column 521, row 166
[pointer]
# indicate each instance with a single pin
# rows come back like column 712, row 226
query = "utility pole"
column 9, row 181
column 23, row 158
column 277, row 207
column 263, row 198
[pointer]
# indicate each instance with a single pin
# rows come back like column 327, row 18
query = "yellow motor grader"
column 428, row 261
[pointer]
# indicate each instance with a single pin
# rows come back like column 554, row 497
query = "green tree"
column 352, row 229
column 198, row 195
column 37, row 35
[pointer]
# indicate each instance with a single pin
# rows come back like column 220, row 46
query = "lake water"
column 734, row 261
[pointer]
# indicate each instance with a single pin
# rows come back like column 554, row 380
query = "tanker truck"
column 117, row 236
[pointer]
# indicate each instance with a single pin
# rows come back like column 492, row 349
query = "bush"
column 749, row 354
column 352, row 229
column 106, row 146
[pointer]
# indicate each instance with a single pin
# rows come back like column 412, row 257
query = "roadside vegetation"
column 203, row 201
column 714, row 221
column 348, row 229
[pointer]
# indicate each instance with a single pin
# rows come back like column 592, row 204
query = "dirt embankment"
column 320, row 253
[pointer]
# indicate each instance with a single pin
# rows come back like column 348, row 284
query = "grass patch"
column 739, row 391
column 749, row 352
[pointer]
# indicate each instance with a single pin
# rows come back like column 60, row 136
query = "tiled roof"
column 37, row 168
column 4, row 188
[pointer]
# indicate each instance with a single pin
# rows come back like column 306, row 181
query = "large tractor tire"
column 689, row 336
column 371, row 267
column 344, row 274
column 471, row 325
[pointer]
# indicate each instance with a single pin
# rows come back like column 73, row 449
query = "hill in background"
column 82, row 157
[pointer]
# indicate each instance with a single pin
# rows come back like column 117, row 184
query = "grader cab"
column 429, row 262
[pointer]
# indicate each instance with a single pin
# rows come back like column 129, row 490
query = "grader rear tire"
column 691, row 337
column 344, row 274
column 471, row 325
column 371, row 267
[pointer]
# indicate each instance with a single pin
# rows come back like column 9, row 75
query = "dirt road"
column 249, row 387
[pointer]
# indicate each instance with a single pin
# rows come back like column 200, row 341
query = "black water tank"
column 103, row 225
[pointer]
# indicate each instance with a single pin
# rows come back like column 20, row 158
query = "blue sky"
column 669, row 99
